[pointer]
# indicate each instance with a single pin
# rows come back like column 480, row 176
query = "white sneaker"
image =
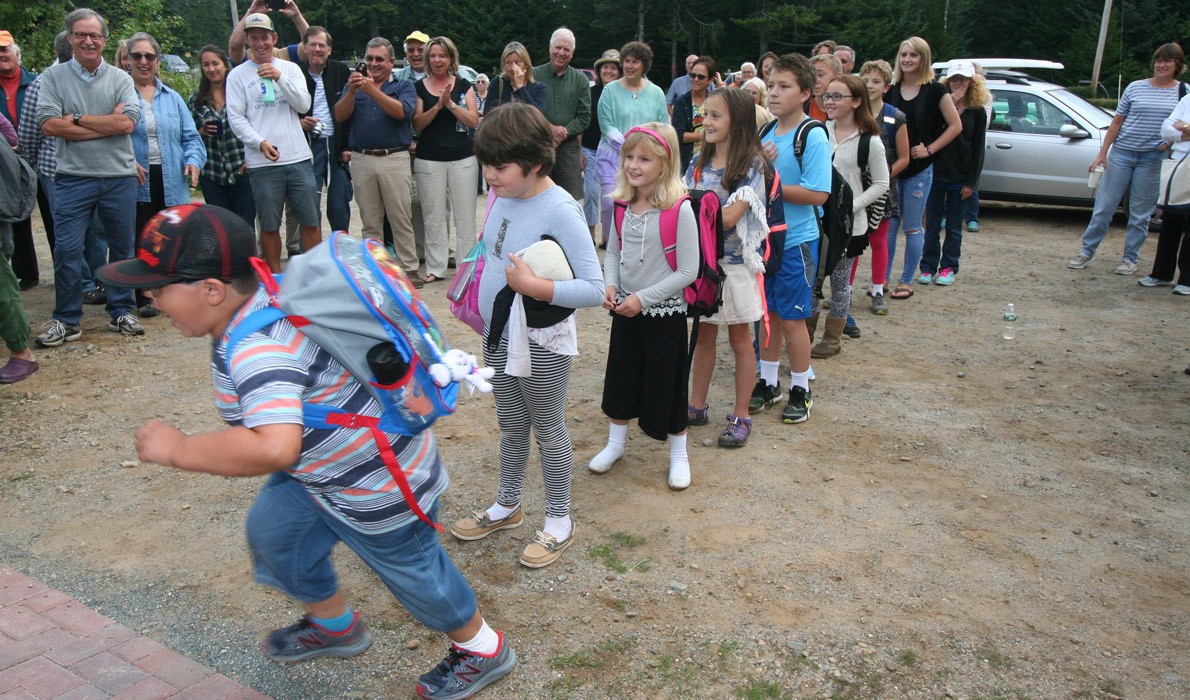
column 1080, row 261
column 1126, row 267
column 679, row 474
column 1182, row 290
column 1152, row 281
column 602, row 462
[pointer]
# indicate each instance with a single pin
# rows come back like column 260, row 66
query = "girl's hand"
column 1099, row 162
column 919, row 151
column 629, row 307
column 966, row 193
column 609, row 298
column 520, row 276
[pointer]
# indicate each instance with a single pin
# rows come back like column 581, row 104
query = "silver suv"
column 1041, row 141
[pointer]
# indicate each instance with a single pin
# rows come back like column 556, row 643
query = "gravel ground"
column 963, row 516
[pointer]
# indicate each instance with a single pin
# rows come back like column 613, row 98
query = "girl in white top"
column 647, row 363
column 1176, row 130
column 851, row 123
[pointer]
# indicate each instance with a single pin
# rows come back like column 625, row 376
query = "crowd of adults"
column 271, row 129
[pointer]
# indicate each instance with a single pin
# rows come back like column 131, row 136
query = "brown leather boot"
column 829, row 346
column 812, row 325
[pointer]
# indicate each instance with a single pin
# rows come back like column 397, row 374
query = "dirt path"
column 962, row 515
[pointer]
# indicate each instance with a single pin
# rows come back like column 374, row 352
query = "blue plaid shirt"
column 41, row 151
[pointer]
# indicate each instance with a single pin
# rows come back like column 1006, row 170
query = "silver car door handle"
column 1004, row 146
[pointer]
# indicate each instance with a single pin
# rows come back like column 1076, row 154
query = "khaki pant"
column 383, row 187
column 436, row 181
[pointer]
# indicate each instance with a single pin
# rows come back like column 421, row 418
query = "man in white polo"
column 266, row 98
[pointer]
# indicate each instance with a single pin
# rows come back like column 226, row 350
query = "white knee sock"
column 768, row 370
column 616, row 435
column 679, row 464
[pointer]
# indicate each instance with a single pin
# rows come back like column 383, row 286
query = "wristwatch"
column 76, row 118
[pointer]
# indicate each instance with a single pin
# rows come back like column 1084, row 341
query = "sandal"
column 430, row 279
column 903, row 291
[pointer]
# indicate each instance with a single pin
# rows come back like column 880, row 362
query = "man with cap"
column 91, row 108
column 568, row 109
column 265, row 100
column 415, row 57
column 14, row 81
column 293, row 52
column 681, row 84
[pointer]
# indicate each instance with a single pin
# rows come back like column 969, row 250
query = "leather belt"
column 380, row 151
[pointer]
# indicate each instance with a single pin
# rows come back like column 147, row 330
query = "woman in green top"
column 224, row 179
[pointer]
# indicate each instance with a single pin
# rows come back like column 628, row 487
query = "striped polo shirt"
column 271, row 373
column 1144, row 108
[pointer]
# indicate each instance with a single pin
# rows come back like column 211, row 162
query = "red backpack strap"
column 669, row 231
column 619, row 207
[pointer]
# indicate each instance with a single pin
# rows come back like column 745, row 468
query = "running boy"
column 805, row 185
column 325, row 486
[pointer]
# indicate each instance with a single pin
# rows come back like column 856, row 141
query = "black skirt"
column 648, row 373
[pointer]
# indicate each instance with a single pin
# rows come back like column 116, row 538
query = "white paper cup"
column 1093, row 179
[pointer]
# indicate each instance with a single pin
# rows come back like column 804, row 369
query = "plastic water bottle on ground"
column 1009, row 322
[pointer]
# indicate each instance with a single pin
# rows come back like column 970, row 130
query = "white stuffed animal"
column 458, row 366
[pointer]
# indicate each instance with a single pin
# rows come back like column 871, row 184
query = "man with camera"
column 266, row 97
column 379, row 108
column 325, row 81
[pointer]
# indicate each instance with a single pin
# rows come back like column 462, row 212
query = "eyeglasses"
column 82, row 36
column 138, row 56
column 835, row 97
column 375, row 59
column 698, row 76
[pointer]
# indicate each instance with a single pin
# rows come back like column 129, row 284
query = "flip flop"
column 430, row 279
column 903, row 291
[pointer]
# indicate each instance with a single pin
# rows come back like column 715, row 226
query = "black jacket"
column 962, row 159
column 683, row 122
column 334, row 81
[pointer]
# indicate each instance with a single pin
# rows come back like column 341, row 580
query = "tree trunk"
column 673, row 47
column 641, row 7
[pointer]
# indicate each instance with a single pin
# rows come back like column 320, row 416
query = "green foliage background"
column 731, row 32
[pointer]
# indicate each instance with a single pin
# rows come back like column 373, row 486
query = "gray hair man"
column 93, row 107
column 681, row 84
column 846, row 56
column 568, row 109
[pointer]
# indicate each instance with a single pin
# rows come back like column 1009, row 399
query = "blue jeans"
column 291, row 537
column 76, row 200
column 591, row 190
column 237, row 197
column 1141, row 170
column 971, row 208
column 95, row 246
column 945, row 202
column 915, row 191
column 327, row 166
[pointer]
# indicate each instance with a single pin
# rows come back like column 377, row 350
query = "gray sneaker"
column 463, row 673
column 125, row 325
column 1152, row 281
column 1080, row 261
column 56, row 333
column 879, row 306
column 1126, row 267
column 307, row 640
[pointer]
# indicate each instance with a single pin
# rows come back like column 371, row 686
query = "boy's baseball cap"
column 186, row 243
column 258, row 20
column 418, row 35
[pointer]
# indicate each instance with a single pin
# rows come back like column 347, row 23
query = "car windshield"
column 1096, row 116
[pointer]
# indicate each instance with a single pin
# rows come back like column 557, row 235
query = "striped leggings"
column 538, row 402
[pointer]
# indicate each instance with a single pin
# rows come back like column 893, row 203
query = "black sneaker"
column 95, row 296
column 463, row 673
column 797, row 410
column 850, row 329
column 125, row 325
column 306, row 640
column 763, row 396
column 148, row 311
column 56, row 333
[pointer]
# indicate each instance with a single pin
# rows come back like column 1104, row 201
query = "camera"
column 275, row 5
column 361, row 68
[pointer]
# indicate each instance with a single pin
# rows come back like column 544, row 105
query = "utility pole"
column 1099, row 49
column 235, row 13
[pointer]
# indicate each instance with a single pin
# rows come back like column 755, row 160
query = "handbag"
column 1175, row 186
column 875, row 210
column 463, row 293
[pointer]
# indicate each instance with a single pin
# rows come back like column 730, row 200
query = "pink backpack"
column 705, row 293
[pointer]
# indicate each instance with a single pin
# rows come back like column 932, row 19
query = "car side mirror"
column 1072, row 131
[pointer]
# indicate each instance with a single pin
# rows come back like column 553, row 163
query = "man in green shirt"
column 567, row 107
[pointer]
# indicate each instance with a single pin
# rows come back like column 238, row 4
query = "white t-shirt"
column 279, row 122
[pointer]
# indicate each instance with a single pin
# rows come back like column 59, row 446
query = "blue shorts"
column 789, row 293
column 291, row 536
column 273, row 185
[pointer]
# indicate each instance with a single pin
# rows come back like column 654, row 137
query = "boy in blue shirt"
column 805, row 186
column 324, row 486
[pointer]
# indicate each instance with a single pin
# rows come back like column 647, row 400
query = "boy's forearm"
column 796, row 194
column 240, row 451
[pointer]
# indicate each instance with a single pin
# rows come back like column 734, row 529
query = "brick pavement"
column 52, row 646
